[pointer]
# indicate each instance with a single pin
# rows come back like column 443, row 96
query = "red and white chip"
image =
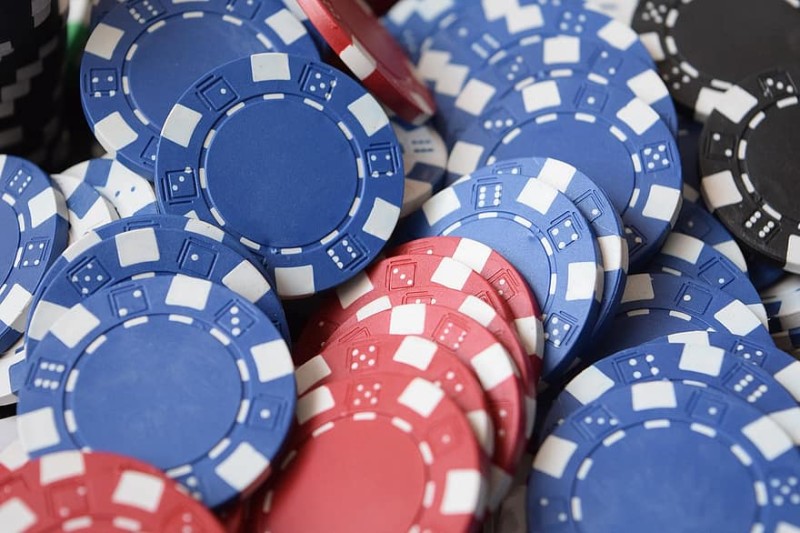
column 72, row 491
column 476, row 347
column 411, row 279
column 371, row 53
column 382, row 452
column 406, row 355
column 504, row 278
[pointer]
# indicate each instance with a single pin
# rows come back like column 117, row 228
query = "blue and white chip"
column 130, row 248
column 128, row 192
column 696, row 363
column 142, row 56
column 33, row 231
column 424, row 161
column 461, row 102
column 177, row 371
column 303, row 141
column 618, row 141
column 658, row 305
column 539, row 231
column 595, row 207
column 696, row 222
column 87, row 209
column 637, row 460
column 686, row 255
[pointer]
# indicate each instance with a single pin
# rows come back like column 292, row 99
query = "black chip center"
column 773, row 161
column 730, row 40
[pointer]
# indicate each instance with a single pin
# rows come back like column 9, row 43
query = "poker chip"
column 129, row 193
column 477, row 348
column 424, row 161
column 8, row 361
column 87, row 209
column 686, row 255
column 504, row 278
column 229, row 378
column 747, row 187
column 540, row 57
column 33, row 218
column 100, row 491
column 689, row 363
column 354, row 201
column 468, row 37
column 411, row 22
column 132, row 75
column 700, row 224
column 749, row 36
column 395, row 281
column 780, row 365
column 410, row 356
column 652, row 446
column 657, row 305
column 356, row 36
column 131, row 248
column 427, row 450
column 642, row 178
column 596, row 208
column 539, row 231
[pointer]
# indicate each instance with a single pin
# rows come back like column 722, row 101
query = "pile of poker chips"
column 569, row 267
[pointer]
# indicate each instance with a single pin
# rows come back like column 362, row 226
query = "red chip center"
column 356, row 476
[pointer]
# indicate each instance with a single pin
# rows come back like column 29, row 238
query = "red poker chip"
column 320, row 329
column 475, row 346
column 504, row 278
column 394, row 281
column 372, row 54
column 72, row 491
column 409, row 356
column 382, row 452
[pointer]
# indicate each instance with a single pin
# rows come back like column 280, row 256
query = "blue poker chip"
column 595, row 207
column 657, row 305
column 424, row 161
column 619, row 142
column 293, row 158
column 177, row 371
column 460, row 103
column 142, row 56
column 133, row 247
column 780, row 365
column 689, row 146
column 87, row 208
column 543, row 234
column 696, row 222
column 33, row 231
column 698, row 363
column 469, row 37
column 637, row 459
column 129, row 193
column 412, row 22
column 686, row 255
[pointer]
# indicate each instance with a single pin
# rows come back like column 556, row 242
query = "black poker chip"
column 751, row 165
column 704, row 46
